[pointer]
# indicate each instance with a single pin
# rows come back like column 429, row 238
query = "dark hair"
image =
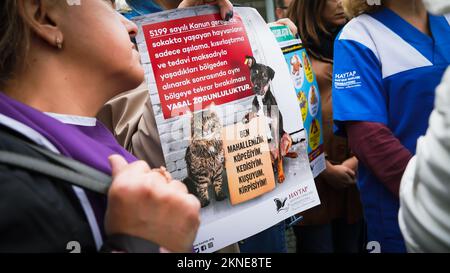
column 307, row 16
column 14, row 39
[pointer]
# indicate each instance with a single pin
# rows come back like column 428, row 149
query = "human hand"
column 287, row 22
column 274, row 151
column 226, row 8
column 285, row 144
column 144, row 203
column 163, row 171
column 351, row 163
column 339, row 176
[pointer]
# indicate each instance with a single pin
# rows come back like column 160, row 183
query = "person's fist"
column 339, row 176
column 287, row 22
column 226, row 8
column 285, row 144
column 146, row 204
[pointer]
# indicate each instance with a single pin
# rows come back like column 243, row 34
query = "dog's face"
column 260, row 75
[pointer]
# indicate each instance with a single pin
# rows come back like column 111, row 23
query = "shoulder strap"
column 57, row 166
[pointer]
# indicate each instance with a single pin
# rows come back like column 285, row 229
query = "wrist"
column 329, row 168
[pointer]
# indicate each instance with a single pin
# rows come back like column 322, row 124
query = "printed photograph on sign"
column 297, row 71
column 228, row 119
column 308, row 98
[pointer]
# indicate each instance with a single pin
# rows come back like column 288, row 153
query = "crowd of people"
column 378, row 68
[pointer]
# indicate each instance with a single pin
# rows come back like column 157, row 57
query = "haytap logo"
column 281, row 204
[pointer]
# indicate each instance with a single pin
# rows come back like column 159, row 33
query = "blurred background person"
column 388, row 61
column 336, row 225
column 424, row 215
column 281, row 8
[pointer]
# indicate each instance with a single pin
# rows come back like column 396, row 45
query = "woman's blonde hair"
column 353, row 8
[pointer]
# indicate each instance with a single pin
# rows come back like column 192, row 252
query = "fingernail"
column 229, row 15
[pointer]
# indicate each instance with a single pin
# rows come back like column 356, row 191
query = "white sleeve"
column 424, row 214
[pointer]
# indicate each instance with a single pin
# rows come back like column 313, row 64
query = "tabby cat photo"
column 205, row 156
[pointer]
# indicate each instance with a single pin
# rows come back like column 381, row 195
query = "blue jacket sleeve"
column 358, row 93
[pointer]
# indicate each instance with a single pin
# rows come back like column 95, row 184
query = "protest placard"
column 228, row 118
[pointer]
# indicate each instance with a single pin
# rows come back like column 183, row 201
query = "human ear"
column 40, row 16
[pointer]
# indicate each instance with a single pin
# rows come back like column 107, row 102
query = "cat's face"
column 206, row 125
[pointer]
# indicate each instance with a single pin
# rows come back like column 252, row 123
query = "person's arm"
column 380, row 151
column 360, row 109
column 424, row 215
column 145, row 142
column 123, row 113
column 131, row 119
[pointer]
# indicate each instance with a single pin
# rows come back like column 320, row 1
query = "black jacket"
column 42, row 214
column 37, row 213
